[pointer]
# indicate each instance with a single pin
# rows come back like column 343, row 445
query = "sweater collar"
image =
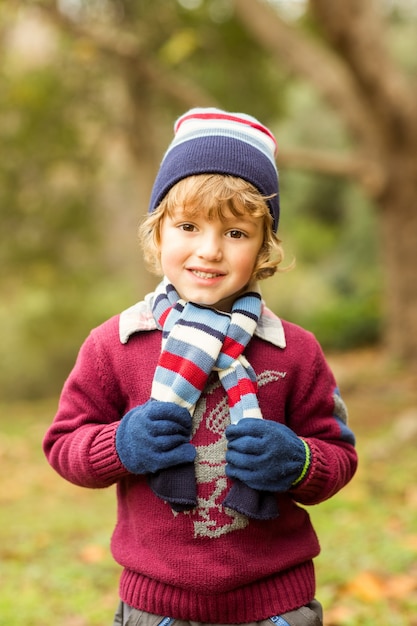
column 139, row 318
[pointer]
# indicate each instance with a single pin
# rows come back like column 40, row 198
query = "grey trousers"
column 309, row 615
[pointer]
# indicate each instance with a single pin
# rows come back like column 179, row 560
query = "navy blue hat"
column 211, row 141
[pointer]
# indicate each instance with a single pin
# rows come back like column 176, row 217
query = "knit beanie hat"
column 212, row 141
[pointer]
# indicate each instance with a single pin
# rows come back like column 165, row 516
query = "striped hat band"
column 211, row 141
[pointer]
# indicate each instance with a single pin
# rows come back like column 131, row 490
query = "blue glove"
column 154, row 436
column 265, row 455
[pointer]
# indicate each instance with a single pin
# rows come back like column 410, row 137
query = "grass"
column 56, row 566
column 54, row 537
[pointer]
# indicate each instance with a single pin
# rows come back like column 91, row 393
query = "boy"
column 213, row 417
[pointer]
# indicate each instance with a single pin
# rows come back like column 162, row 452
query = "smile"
column 201, row 274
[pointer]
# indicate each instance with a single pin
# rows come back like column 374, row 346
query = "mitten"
column 154, row 436
column 266, row 455
column 256, row 504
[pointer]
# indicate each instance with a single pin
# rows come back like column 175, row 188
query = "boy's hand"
column 154, row 436
column 265, row 455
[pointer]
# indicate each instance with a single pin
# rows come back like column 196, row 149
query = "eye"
column 188, row 228
column 236, row 234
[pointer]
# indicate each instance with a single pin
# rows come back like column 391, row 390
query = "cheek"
column 170, row 253
column 250, row 259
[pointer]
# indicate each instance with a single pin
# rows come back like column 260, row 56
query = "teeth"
column 204, row 274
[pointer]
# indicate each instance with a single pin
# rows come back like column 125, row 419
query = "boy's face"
column 210, row 262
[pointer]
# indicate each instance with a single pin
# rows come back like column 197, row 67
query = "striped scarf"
column 198, row 339
column 195, row 341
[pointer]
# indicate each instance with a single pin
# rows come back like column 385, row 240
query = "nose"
column 210, row 247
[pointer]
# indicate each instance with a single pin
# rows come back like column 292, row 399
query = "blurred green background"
column 89, row 91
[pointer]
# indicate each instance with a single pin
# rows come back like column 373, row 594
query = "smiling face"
column 212, row 235
column 210, row 260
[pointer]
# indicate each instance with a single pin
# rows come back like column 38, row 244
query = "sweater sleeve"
column 80, row 443
column 319, row 415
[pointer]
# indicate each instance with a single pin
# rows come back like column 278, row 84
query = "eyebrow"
column 245, row 218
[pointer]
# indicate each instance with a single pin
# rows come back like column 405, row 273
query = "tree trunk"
column 356, row 32
column 357, row 77
column 398, row 250
column 348, row 62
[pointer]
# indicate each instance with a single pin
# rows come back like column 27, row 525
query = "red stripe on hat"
column 185, row 368
column 229, row 117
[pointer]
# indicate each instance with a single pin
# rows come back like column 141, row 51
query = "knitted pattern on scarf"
column 198, row 339
column 195, row 341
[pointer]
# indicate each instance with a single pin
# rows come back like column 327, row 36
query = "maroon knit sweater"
column 210, row 564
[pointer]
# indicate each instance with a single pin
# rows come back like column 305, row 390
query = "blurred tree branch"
column 348, row 63
column 130, row 50
column 366, row 89
column 364, row 171
column 354, row 29
column 341, row 50
column 306, row 57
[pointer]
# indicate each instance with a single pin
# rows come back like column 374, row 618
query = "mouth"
column 207, row 275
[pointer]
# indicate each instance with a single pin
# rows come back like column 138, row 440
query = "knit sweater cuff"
column 315, row 482
column 104, row 459
column 306, row 466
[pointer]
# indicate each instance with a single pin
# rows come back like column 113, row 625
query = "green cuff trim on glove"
column 306, row 464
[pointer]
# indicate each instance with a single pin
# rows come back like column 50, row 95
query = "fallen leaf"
column 398, row 587
column 410, row 541
column 367, row 587
column 411, row 496
column 93, row 553
column 339, row 615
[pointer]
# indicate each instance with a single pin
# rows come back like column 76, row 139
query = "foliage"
column 329, row 229
column 247, row 72
column 50, row 249
column 60, row 123
column 59, row 276
column 54, row 537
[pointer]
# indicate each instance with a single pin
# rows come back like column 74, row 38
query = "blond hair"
column 212, row 195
